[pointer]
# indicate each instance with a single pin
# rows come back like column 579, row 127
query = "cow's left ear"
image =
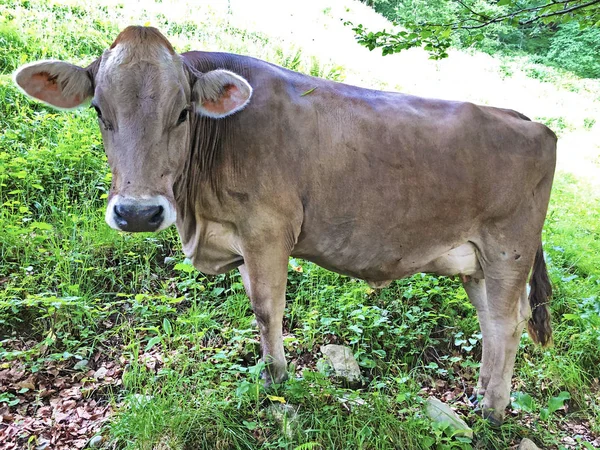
column 220, row 93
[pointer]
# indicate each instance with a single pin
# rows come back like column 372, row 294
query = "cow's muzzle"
column 140, row 214
column 134, row 218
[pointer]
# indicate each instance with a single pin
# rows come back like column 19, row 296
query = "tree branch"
column 475, row 13
column 557, row 13
column 437, row 37
column 489, row 21
column 513, row 14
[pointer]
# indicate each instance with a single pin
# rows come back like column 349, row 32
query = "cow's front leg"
column 265, row 276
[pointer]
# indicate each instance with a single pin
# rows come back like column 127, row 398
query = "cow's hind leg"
column 504, row 319
column 476, row 291
column 492, row 338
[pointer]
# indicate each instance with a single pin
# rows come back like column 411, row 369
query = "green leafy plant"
column 74, row 293
column 525, row 402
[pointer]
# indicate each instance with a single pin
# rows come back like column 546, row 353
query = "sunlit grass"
column 76, row 287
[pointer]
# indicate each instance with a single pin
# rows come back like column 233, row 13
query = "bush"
column 13, row 46
column 576, row 50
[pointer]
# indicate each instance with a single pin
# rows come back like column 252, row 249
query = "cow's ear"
column 220, row 93
column 56, row 83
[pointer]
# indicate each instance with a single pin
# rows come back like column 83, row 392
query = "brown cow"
column 254, row 163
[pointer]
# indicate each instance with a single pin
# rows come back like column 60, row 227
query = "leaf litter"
column 65, row 404
column 55, row 405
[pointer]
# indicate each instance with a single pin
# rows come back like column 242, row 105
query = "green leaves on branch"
column 437, row 25
column 435, row 43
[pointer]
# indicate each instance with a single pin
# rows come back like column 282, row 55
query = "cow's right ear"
column 59, row 84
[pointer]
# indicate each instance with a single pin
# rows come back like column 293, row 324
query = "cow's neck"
column 208, row 171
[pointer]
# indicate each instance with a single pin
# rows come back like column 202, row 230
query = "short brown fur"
column 147, row 35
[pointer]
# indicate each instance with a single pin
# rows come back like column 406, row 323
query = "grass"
column 73, row 289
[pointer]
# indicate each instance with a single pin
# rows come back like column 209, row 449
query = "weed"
column 588, row 123
column 74, row 289
column 557, row 124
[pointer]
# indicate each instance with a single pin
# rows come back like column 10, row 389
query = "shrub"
column 576, row 50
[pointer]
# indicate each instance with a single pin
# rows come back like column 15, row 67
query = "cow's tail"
column 539, row 327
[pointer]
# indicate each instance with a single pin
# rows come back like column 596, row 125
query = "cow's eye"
column 97, row 111
column 183, row 116
column 106, row 124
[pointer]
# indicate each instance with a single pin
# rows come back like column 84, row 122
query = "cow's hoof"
column 272, row 376
column 494, row 418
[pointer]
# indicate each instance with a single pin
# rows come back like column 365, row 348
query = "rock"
column 285, row 415
column 170, row 261
column 440, row 412
column 100, row 373
column 168, row 442
column 527, row 444
column 81, row 364
column 140, row 400
column 95, row 442
column 351, row 401
column 342, row 362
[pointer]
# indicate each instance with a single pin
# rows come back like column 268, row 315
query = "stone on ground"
column 285, row 415
column 342, row 362
column 168, row 442
column 96, row 442
column 440, row 412
column 528, row 444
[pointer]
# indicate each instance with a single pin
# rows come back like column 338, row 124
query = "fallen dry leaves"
column 57, row 407
column 460, row 399
column 64, row 405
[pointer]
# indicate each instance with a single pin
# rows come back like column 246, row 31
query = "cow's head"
column 146, row 97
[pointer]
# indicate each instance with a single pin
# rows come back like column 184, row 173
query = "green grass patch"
column 72, row 288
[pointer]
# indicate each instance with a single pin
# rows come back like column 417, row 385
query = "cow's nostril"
column 118, row 210
column 120, row 214
column 158, row 216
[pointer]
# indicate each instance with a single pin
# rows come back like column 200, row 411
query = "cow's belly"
column 461, row 260
column 380, row 270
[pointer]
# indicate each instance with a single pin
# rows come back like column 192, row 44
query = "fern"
column 308, row 446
